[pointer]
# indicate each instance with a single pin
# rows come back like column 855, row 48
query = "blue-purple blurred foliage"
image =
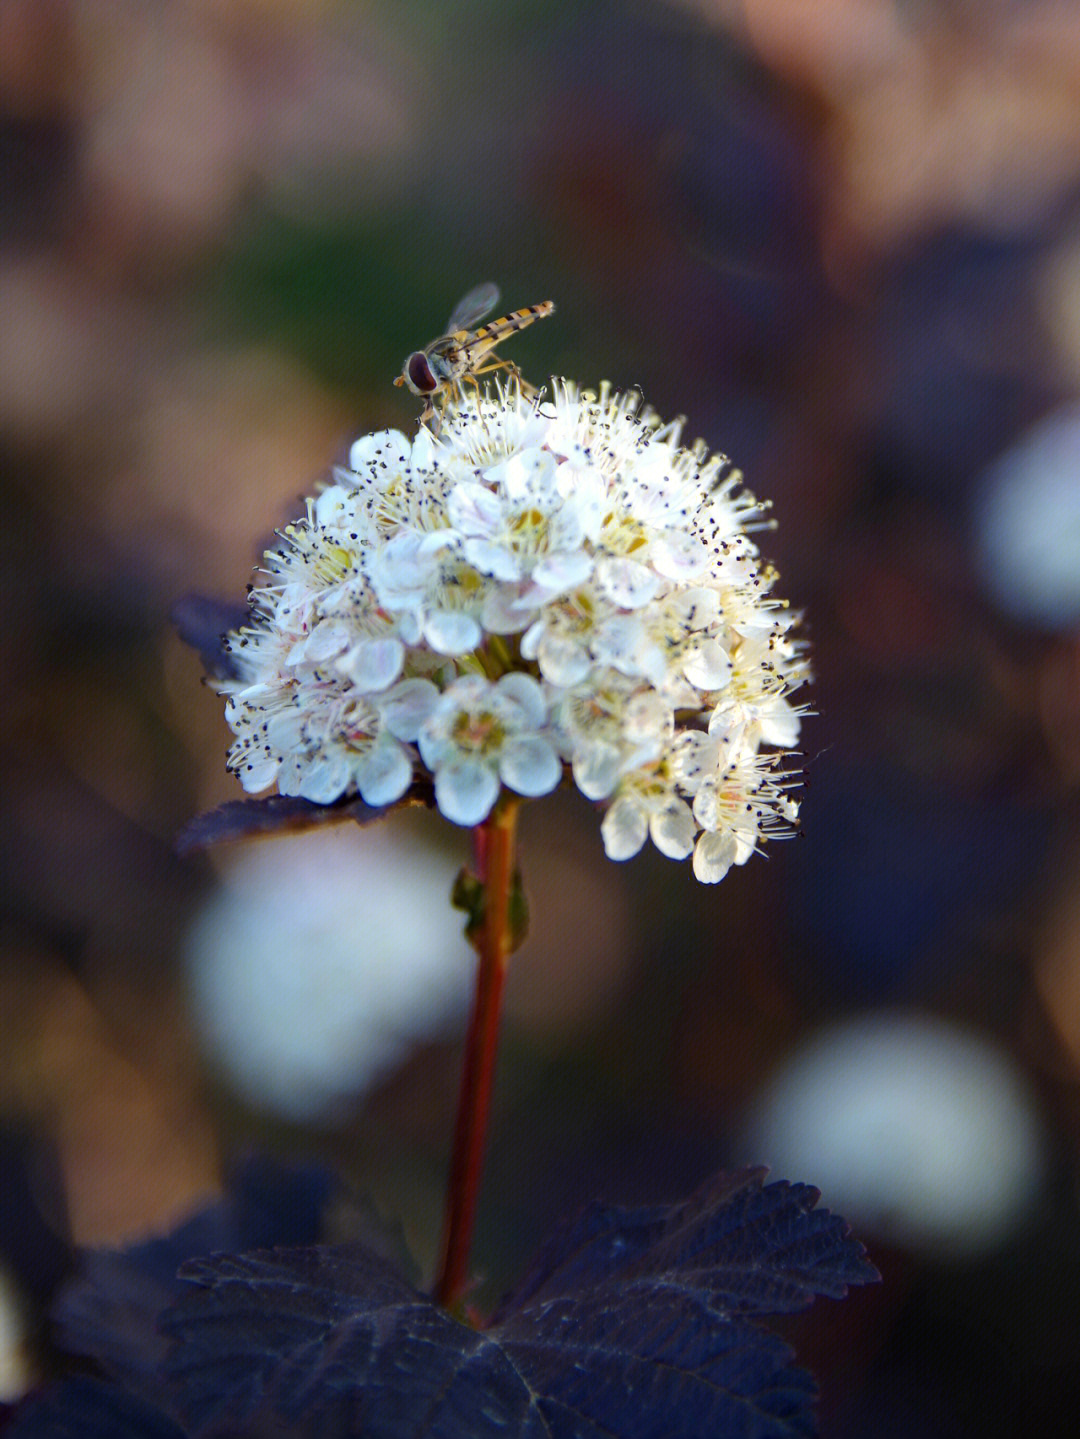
column 629, row 1322
column 844, row 240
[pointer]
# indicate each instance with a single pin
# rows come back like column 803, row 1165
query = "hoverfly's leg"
column 449, row 393
column 437, row 404
column 476, row 389
column 527, row 390
column 523, row 385
column 492, row 365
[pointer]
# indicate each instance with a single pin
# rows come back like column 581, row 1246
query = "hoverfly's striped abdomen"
column 517, row 321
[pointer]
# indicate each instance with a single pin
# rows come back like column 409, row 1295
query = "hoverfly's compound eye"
column 420, row 374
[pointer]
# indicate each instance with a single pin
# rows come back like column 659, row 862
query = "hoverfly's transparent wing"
column 475, row 305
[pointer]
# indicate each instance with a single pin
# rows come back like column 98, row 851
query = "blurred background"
column 843, row 238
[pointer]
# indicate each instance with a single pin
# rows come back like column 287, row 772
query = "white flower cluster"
column 538, row 586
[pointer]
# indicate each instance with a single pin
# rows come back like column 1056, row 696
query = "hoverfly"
column 460, row 353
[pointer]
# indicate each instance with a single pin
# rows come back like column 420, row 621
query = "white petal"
column 754, row 624
column 563, row 661
column 566, row 533
column 530, row 765
column 530, row 640
column 528, row 694
column 501, row 613
column 673, row 830
column 626, row 583
column 386, row 452
column 408, row 623
column 596, row 769
column 708, row 665
column 290, row 778
column 285, row 730
column 564, row 571
column 707, row 806
column 407, row 706
column 624, row 829
column 295, row 605
column 423, row 450
column 474, row 509
column 589, row 499
column 714, row 855
column 465, row 791
column 325, row 780
column 651, row 661
column 694, row 758
column 618, row 640
column 332, row 505
column 696, row 608
column 655, row 488
column 780, row 724
column 648, row 718
column 492, row 559
column 237, row 703
column 728, row 727
column 373, row 665
column 399, row 569
column 679, row 557
column 745, row 837
column 737, row 568
column 259, row 774
column 527, row 475
column 434, row 746
column 385, row 773
column 433, row 542
column 450, row 632
column 466, row 692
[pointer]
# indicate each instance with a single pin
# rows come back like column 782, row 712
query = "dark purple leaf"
column 744, row 1247
column 278, row 814
column 633, row 1324
column 334, row 1342
column 656, row 1364
column 203, row 623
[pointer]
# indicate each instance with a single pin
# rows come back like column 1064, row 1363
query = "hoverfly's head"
column 418, row 375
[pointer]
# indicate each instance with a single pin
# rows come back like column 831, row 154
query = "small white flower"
column 609, row 726
column 538, row 582
column 745, row 724
column 737, row 808
column 647, row 806
column 480, row 734
column 518, row 524
column 563, row 638
column 337, row 742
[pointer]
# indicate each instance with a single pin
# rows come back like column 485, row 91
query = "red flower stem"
column 494, row 851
